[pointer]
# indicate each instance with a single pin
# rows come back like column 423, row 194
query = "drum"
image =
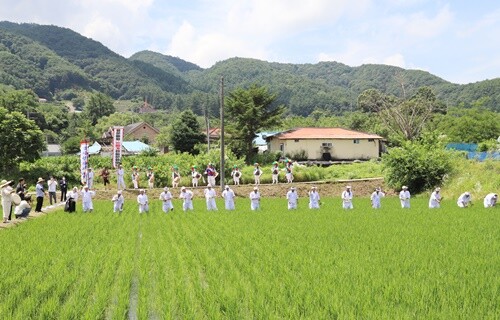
column 16, row 199
column 177, row 179
column 237, row 174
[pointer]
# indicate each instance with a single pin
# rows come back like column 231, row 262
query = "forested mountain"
column 51, row 60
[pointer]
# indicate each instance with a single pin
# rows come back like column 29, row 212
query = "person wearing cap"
column 120, row 181
column 142, row 200
column 211, row 174
column 228, row 195
column 135, row 177
column 176, row 176
column 292, row 198
column 490, row 200
column 255, row 199
column 90, row 179
column 118, row 201
column 435, row 199
column 70, row 205
column 347, row 198
column 257, row 173
column 210, row 195
column 151, row 178
column 40, row 194
column 6, row 191
column 314, row 198
column 375, row 198
column 187, row 199
column 195, row 176
column 166, row 198
column 236, row 174
column 51, row 188
column 275, row 170
column 404, row 197
column 23, row 209
column 87, row 196
column 464, row 200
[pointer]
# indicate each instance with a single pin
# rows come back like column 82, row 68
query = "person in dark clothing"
column 40, row 194
column 63, row 184
column 21, row 188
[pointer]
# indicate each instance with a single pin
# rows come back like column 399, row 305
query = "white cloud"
column 420, row 25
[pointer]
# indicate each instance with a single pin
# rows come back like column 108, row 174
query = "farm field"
column 273, row 263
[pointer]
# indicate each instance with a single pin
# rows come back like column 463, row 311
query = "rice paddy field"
column 329, row 263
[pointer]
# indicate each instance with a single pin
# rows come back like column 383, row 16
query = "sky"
column 458, row 41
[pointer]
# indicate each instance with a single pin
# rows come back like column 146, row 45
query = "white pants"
column 314, row 204
column 87, row 206
column 236, row 180
column 117, row 207
column 292, row 205
column 211, row 180
column 167, row 206
column 187, row 205
column 254, row 205
column 143, row 208
column 229, row 204
column 347, row 205
column 275, row 178
column 211, row 205
column 405, row 203
column 121, row 183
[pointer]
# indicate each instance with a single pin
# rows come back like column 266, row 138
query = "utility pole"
column 222, row 180
column 207, row 124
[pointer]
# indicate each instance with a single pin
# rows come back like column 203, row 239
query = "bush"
column 420, row 165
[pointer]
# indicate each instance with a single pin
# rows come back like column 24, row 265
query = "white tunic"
column 187, row 197
column 435, row 200
column 87, row 200
column 118, row 201
column 464, row 200
column 142, row 200
column 347, row 200
column 254, row 200
column 375, row 198
column 228, row 195
column 490, row 200
column 166, row 197
column 210, row 197
column 404, row 197
column 292, row 198
column 314, row 200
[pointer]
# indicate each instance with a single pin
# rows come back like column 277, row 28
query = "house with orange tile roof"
column 326, row 143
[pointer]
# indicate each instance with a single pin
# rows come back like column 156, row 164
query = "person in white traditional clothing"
column 211, row 174
column 135, row 177
column 195, row 176
column 6, row 191
column 176, row 177
column 435, row 199
column 375, row 198
column 90, row 178
column 118, row 201
column 464, row 200
column 490, row 200
column 166, row 198
column 120, row 182
column 210, row 195
column 257, row 173
column 151, row 178
column 404, row 197
column 347, row 198
column 87, row 196
column 142, row 200
column 236, row 174
column 71, row 200
column 292, row 198
column 289, row 171
column 314, row 198
column 228, row 195
column 187, row 199
column 255, row 199
column 275, row 171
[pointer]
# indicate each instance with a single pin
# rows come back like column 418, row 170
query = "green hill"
column 51, row 59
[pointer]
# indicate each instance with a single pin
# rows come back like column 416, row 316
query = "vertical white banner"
column 84, row 160
column 117, row 145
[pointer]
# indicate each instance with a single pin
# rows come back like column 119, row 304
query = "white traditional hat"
column 165, row 189
column 292, row 188
column 255, row 188
column 4, row 182
column 313, row 187
column 404, row 187
column 227, row 186
column 183, row 188
column 119, row 192
column 209, row 185
column 348, row 187
column 467, row 193
column 437, row 189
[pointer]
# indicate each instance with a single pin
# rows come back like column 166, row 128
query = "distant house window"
column 356, row 141
column 282, row 147
column 371, row 140
column 296, row 140
column 326, row 144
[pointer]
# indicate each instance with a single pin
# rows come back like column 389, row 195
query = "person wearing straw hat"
column 255, row 199
column 228, row 195
column 118, row 201
column 257, row 173
column 435, row 199
column 465, row 200
column 490, row 200
column 142, row 200
column 236, row 174
column 87, row 196
column 275, row 170
column 404, row 197
column 347, row 198
column 210, row 195
column 292, row 198
column 314, row 198
column 6, row 191
column 40, row 194
column 187, row 199
column 375, row 198
column 166, row 198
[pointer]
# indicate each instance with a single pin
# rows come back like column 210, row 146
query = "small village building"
column 326, row 143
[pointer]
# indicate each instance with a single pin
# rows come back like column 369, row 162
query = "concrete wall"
column 142, row 131
column 344, row 149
